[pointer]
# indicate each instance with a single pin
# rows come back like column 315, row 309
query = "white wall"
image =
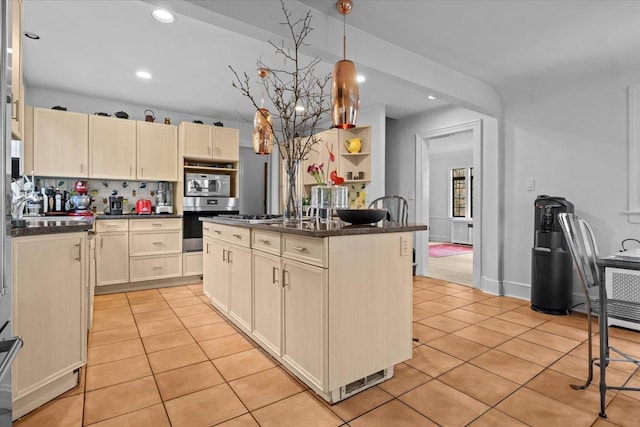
column 401, row 173
column 446, row 153
column 569, row 132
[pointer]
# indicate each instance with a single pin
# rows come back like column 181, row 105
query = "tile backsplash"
column 101, row 189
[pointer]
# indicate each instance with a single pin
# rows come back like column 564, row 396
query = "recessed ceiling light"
column 431, row 97
column 32, row 36
column 299, row 108
column 163, row 16
column 143, row 75
column 360, row 78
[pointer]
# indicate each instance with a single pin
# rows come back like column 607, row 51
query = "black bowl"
column 361, row 216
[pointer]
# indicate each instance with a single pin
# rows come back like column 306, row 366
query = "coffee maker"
column 164, row 199
column 115, row 205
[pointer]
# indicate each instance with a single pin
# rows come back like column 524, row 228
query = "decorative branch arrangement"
column 299, row 97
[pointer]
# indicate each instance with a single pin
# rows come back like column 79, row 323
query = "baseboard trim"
column 490, row 286
column 517, row 290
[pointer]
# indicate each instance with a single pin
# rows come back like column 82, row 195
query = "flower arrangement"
column 317, row 172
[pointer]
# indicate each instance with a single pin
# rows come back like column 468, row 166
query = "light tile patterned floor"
column 165, row 357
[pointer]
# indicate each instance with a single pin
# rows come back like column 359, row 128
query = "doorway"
column 253, row 182
column 426, row 144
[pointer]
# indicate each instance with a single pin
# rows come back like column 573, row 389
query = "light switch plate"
column 530, row 184
column 404, row 246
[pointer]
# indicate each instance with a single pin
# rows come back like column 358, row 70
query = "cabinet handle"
column 229, row 260
column 237, row 236
column 157, row 225
column 101, row 243
column 208, row 248
column 157, row 268
column 224, row 255
column 14, row 107
column 79, row 246
column 299, row 248
column 112, row 226
column 265, row 242
column 285, row 276
column 157, row 243
column 217, row 231
column 273, row 275
column 130, row 170
column 81, row 167
column 141, row 171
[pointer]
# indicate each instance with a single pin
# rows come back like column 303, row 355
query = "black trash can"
column 551, row 262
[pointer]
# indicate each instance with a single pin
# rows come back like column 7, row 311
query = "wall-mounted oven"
column 196, row 207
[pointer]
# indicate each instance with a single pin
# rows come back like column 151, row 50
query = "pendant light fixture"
column 262, row 131
column 345, row 95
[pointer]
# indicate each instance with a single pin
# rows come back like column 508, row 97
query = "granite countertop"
column 313, row 228
column 136, row 216
column 49, row 225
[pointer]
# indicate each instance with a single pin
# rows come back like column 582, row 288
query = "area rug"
column 446, row 249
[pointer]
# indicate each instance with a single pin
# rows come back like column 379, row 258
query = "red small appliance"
column 143, row 207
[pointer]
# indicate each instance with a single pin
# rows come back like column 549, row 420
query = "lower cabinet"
column 267, row 297
column 220, row 277
column 207, row 265
column 112, row 258
column 305, row 320
column 50, row 314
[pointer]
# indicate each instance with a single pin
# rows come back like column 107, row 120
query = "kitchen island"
column 332, row 302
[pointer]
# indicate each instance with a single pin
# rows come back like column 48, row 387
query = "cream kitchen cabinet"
column 157, row 152
column 305, row 320
column 50, row 314
column 201, row 141
column 192, row 264
column 112, row 252
column 155, row 249
column 231, row 276
column 60, row 143
column 267, row 296
column 207, row 266
column 112, row 148
column 17, row 86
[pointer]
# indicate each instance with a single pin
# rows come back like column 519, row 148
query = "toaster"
column 143, row 207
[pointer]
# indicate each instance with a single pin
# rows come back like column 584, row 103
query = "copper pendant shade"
column 262, row 133
column 345, row 94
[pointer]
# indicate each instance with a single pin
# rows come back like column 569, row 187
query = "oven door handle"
column 10, row 346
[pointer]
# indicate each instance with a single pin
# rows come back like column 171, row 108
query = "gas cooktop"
column 254, row 218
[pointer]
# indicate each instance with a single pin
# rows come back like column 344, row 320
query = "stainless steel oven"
column 196, row 207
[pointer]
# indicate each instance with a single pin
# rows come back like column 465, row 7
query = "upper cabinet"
column 112, row 148
column 60, row 143
column 206, row 142
column 157, row 152
column 64, row 144
column 17, row 88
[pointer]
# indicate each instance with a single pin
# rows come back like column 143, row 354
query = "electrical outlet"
column 404, row 246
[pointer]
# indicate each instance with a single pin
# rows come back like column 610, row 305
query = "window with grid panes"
column 459, row 192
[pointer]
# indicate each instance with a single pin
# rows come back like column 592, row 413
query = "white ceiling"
column 95, row 47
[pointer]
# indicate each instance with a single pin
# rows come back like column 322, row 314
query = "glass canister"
column 326, row 198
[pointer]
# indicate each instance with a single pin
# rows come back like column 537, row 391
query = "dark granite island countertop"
column 317, row 229
column 136, row 216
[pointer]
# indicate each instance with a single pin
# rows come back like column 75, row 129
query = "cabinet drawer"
column 107, row 225
column 305, row 249
column 237, row 235
column 155, row 267
column 191, row 263
column 141, row 243
column 266, row 241
column 154, row 224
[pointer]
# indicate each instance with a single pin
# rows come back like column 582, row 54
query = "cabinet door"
column 240, row 285
column 196, row 140
column 220, row 283
column 207, row 266
column 112, row 148
column 305, row 320
column 49, row 309
column 112, row 258
column 17, row 88
column 267, row 297
column 226, row 143
column 60, row 143
column 157, row 155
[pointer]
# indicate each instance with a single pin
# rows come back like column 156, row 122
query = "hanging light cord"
column 344, row 36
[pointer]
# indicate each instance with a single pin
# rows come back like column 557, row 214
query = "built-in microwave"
column 207, row 185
